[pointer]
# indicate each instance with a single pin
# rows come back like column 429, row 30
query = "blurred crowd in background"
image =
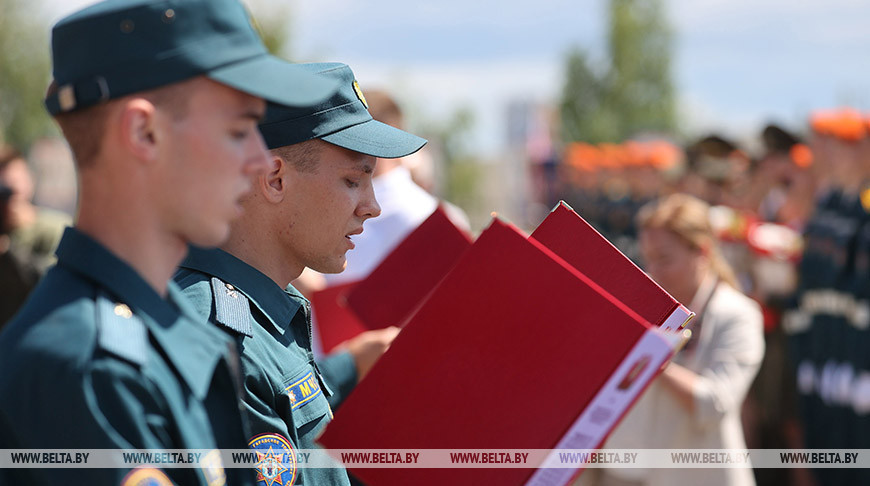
column 793, row 220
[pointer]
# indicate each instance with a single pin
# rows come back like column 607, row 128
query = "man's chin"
column 211, row 238
column 331, row 267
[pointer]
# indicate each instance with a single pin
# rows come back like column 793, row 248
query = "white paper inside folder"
column 617, row 395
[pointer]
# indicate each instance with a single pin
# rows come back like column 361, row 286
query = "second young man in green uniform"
column 302, row 213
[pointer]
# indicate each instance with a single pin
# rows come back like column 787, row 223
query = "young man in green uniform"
column 302, row 213
column 160, row 103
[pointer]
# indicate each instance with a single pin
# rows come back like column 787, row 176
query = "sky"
column 737, row 64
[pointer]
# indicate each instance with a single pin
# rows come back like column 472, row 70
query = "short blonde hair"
column 303, row 156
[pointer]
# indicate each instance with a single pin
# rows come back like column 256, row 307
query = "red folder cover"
column 406, row 276
column 515, row 349
column 568, row 235
column 335, row 322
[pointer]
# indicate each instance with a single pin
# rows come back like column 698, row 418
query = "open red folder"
column 394, row 289
column 405, row 277
column 514, row 349
column 575, row 240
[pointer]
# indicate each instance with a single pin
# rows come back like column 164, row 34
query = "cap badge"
column 359, row 94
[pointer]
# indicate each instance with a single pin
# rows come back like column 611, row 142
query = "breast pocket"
column 308, row 405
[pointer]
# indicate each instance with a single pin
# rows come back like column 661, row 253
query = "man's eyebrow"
column 365, row 166
column 254, row 114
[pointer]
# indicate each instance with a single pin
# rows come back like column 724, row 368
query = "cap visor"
column 275, row 80
column 376, row 139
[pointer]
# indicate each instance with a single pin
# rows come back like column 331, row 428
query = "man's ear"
column 138, row 128
column 273, row 183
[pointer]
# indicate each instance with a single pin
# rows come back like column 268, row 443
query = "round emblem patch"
column 865, row 199
column 145, row 476
column 213, row 469
column 276, row 460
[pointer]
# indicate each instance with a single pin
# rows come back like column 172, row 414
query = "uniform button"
column 123, row 310
column 127, row 26
column 231, row 291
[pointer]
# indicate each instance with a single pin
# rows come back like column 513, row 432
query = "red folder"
column 335, row 322
column 406, row 276
column 568, row 235
column 515, row 349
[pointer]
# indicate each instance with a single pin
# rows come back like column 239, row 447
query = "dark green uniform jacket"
column 285, row 395
column 97, row 359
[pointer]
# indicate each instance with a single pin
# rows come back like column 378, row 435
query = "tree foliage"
column 25, row 64
column 461, row 170
column 633, row 92
column 24, row 74
column 273, row 23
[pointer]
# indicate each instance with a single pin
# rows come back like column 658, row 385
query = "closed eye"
column 241, row 132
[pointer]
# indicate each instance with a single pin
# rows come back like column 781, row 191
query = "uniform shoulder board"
column 121, row 332
column 231, row 307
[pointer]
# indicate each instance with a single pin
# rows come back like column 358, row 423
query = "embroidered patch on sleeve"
column 146, row 476
column 303, row 390
column 213, row 469
column 276, row 460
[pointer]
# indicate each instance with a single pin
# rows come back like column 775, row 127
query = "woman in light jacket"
column 696, row 402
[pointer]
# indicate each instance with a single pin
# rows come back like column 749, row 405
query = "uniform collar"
column 86, row 256
column 277, row 304
column 192, row 346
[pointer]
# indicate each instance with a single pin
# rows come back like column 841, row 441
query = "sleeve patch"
column 276, row 460
column 213, row 469
column 303, row 390
column 146, row 476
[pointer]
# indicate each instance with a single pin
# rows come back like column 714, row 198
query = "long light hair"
column 689, row 218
